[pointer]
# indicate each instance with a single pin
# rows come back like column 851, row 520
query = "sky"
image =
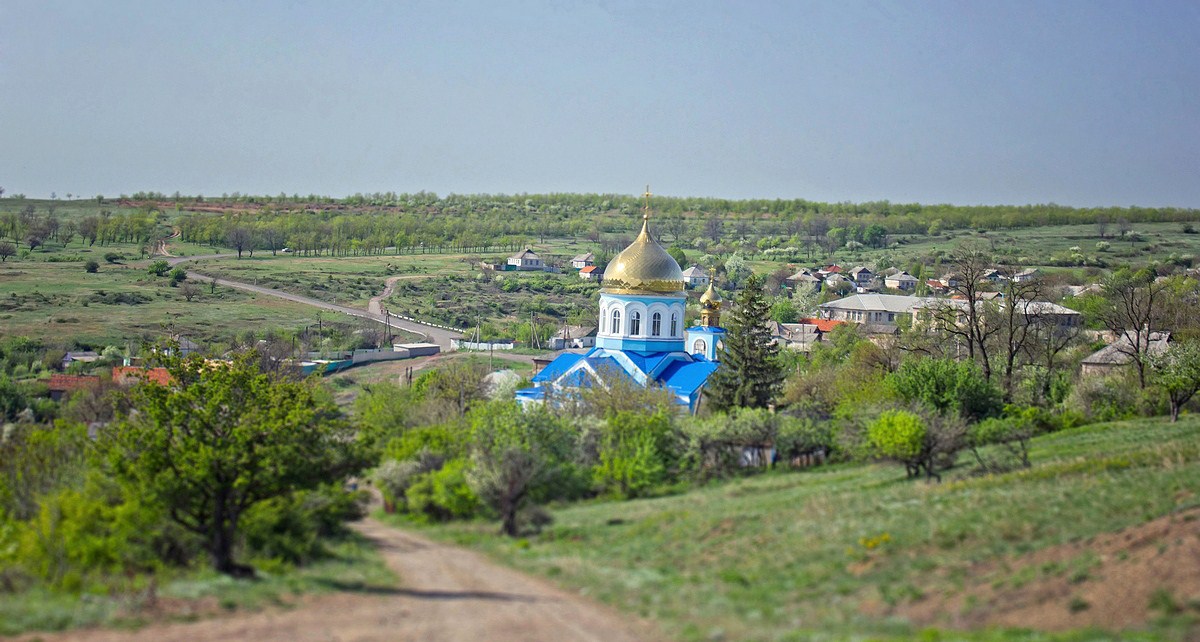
column 1085, row 103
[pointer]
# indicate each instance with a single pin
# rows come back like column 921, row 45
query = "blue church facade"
column 640, row 337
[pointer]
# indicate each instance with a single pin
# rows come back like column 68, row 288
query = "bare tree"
column 714, row 227
column 1015, row 319
column 189, row 290
column 1133, row 313
column 239, row 238
column 966, row 316
column 6, row 250
column 272, row 236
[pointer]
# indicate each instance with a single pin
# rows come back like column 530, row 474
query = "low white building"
column 583, row 260
column 900, row 281
column 696, row 277
column 877, row 309
column 573, row 336
column 526, row 259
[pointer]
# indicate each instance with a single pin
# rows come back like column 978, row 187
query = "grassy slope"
column 790, row 556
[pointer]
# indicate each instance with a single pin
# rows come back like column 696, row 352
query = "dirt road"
column 431, row 334
column 447, row 594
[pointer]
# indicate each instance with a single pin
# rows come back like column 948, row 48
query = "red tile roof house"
column 129, row 375
column 62, row 384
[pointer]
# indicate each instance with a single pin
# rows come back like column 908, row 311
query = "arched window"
column 699, row 346
column 673, row 325
column 655, row 324
column 635, row 323
column 616, row 322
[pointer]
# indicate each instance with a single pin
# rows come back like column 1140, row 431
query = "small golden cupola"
column 710, row 307
column 644, row 267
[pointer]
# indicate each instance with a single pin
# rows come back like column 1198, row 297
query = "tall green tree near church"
column 750, row 374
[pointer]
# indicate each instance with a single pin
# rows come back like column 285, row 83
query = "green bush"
column 441, row 440
column 292, row 528
column 946, row 385
column 159, row 268
column 443, row 494
column 636, row 453
column 629, row 466
column 91, row 266
column 897, row 434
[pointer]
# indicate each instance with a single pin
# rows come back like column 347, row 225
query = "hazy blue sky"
column 1077, row 103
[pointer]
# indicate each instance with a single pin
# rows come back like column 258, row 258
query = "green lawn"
column 800, row 555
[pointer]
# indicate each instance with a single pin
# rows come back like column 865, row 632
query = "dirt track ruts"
column 446, row 594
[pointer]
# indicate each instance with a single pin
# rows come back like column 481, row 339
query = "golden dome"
column 643, row 268
column 710, row 298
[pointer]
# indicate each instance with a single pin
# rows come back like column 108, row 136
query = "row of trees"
column 36, row 229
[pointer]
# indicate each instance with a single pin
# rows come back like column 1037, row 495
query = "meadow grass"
column 353, row 565
column 121, row 303
column 798, row 555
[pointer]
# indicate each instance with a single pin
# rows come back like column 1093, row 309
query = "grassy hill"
column 1096, row 541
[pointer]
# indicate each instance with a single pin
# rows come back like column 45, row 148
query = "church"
column 640, row 336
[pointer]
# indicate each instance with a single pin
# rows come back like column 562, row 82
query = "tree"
column 92, row 266
column 680, row 257
column 1177, row 371
column 221, row 438
column 965, row 317
column 239, row 238
column 714, row 228
column 749, row 374
column 946, row 385
column 158, row 268
column 7, row 249
column 1016, row 319
column 515, row 455
column 189, row 291
column 1133, row 313
column 930, row 443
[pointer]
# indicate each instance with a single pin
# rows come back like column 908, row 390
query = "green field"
column 60, row 302
column 852, row 552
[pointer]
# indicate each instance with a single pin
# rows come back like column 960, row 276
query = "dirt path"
column 375, row 306
column 446, row 594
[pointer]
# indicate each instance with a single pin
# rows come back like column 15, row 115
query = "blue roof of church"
column 556, row 368
column 687, row 377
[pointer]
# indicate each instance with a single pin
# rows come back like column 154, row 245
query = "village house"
column 1119, row 353
column 86, row 356
column 901, row 281
column 862, row 276
column 130, row 375
column 61, row 385
column 877, row 309
column 573, row 336
column 583, row 260
column 936, row 286
column 525, row 260
column 1026, row 275
column 803, row 334
column 696, row 277
column 993, row 276
column 803, row 277
column 591, row 273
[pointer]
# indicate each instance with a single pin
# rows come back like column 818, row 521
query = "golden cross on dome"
column 646, row 209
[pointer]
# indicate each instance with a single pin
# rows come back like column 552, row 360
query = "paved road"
column 447, row 594
column 431, row 334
